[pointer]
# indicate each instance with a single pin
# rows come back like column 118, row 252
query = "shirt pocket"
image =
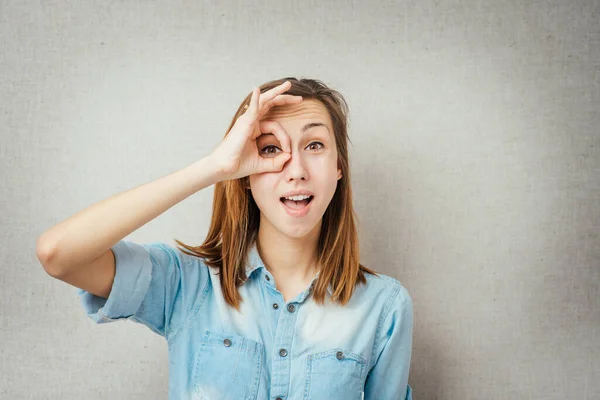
column 228, row 366
column 335, row 374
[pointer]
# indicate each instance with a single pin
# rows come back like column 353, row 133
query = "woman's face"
column 312, row 169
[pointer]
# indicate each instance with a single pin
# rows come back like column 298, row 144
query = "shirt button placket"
column 281, row 365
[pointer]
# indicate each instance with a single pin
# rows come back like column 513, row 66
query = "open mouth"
column 296, row 204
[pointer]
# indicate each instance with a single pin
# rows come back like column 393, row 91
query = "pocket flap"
column 232, row 341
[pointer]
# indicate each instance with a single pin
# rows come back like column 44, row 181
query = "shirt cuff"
column 133, row 273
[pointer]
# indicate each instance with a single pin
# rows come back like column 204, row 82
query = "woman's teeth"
column 297, row 198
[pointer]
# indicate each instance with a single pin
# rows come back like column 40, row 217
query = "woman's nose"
column 294, row 168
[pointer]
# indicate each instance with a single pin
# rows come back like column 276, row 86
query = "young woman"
column 275, row 303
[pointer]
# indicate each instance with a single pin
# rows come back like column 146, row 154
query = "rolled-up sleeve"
column 388, row 378
column 132, row 280
column 154, row 285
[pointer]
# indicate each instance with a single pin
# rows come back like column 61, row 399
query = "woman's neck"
column 291, row 261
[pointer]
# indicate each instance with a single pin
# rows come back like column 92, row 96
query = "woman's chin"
column 298, row 231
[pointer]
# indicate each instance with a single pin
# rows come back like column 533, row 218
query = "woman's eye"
column 273, row 150
column 270, row 149
column 313, row 144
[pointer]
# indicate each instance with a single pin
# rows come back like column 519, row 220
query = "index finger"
column 272, row 93
column 274, row 127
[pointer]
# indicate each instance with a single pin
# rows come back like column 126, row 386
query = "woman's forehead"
column 306, row 109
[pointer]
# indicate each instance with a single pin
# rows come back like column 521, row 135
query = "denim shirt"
column 271, row 349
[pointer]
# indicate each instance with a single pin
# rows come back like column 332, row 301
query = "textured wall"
column 476, row 170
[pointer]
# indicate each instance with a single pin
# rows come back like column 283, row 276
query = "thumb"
column 275, row 163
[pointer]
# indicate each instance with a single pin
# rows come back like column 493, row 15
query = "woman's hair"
column 236, row 217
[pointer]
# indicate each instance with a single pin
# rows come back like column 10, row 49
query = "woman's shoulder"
column 383, row 281
column 390, row 290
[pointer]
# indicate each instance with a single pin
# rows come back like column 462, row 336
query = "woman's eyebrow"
column 312, row 125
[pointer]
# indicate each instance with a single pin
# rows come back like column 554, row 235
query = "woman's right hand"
column 237, row 156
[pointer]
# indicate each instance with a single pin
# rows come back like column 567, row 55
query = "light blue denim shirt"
column 271, row 349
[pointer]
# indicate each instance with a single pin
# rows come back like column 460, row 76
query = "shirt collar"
column 254, row 262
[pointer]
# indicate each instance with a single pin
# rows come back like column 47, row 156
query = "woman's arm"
column 388, row 379
column 87, row 236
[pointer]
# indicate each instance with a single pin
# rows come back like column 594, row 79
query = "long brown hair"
column 236, row 217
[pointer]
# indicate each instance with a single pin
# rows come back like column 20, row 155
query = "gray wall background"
column 475, row 156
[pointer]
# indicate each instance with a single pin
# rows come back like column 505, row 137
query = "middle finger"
column 280, row 100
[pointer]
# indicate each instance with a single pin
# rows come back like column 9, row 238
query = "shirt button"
column 267, row 277
column 279, row 398
column 227, row 342
column 283, row 352
column 291, row 308
column 339, row 355
column 275, row 306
